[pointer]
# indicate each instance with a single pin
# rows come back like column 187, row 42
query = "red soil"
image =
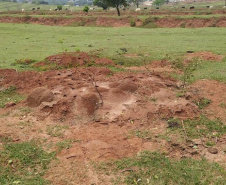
column 168, row 22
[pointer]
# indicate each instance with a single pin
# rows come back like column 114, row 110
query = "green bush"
column 132, row 23
column 59, row 7
column 86, row 9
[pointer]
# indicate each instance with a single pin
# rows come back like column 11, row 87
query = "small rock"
column 213, row 150
column 175, row 144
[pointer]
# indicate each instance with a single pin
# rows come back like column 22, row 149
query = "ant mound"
column 204, row 55
column 74, row 59
column 39, row 95
column 90, row 95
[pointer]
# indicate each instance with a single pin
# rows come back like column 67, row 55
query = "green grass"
column 210, row 70
column 22, row 41
column 202, row 103
column 66, row 144
column 200, row 69
column 155, row 168
column 56, row 130
column 9, row 95
column 200, row 127
column 144, row 134
column 23, row 163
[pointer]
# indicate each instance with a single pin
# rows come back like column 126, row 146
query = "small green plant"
column 86, row 9
column 66, row 144
column 132, row 23
column 144, row 134
column 202, row 103
column 153, row 99
column 223, row 105
column 183, row 25
column 150, row 22
column 188, row 72
column 77, row 49
column 178, row 63
column 210, row 143
column 56, row 130
column 181, row 94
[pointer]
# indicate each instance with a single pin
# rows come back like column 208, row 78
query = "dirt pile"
column 74, row 59
column 205, row 56
column 86, row 95
column 39, row 95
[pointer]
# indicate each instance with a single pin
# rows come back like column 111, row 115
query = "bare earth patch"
column 97, row 115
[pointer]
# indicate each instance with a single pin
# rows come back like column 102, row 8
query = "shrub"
column 86, row 9
column 59, row 7
column 132, row 23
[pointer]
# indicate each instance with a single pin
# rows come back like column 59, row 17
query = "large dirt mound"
column 84, row 95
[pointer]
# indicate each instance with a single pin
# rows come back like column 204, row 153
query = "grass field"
column 19, row 41
column 27, row 41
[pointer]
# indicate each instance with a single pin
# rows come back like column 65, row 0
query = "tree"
column 100, row 3
column 116, row 4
